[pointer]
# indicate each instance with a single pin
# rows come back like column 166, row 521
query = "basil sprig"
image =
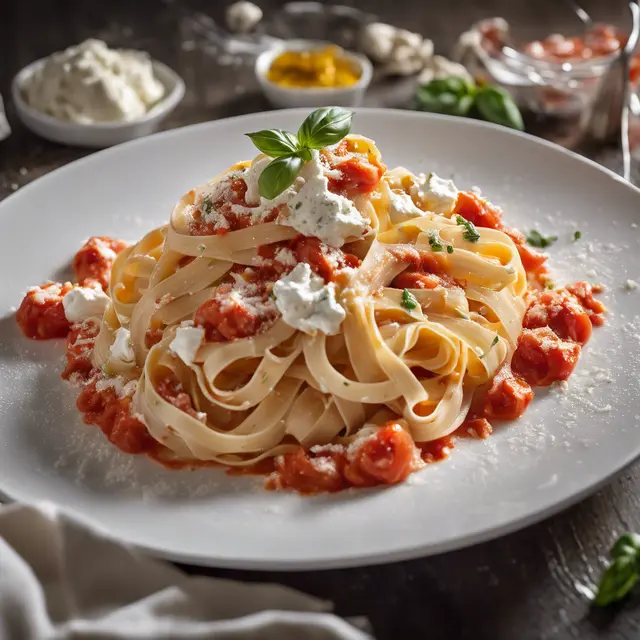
column 623, row 573
column 321, row 128
column 462, row 97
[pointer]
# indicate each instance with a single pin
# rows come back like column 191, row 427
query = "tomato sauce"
column 113, row 416
column 94, row 260
column 357, row 174
column 386, row 457
column 508, row 396
column 234, row 196
column 41, row 314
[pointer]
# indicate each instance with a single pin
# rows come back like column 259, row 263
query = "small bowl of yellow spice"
column 306, row 73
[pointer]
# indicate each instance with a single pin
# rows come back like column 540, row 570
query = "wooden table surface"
column 527, row 585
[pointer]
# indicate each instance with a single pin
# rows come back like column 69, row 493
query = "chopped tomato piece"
column 41, row 314
column 508, row 397
column 94, row 260
column 80, row 342
column 171, row 390
column 436, row 449
column 583, row 291
column 474, row 427
column 415, row 280
column 153, row 336
column 561, row 311
column 227, row 316
column 112, row 414
column 325, row 261
column 385, row 458
column 227, row 206
column 308, row 475
column 474, row 209
column 542, row 358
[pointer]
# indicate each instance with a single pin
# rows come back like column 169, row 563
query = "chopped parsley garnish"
column 298, row 205
column 201, row 247
column 206, row 205
column 577, row 235
column 470, row 232
column 549, row 284
column 449, row 248
column 536, row 239
column 345, row 383
column 493, row 344
column 434, row 241
column 408, row 300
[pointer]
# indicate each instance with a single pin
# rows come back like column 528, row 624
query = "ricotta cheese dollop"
column 186, row 342
column 435, row 193
column 307, row 303
column 90, row 83
column 122, row 349
column 84, row 302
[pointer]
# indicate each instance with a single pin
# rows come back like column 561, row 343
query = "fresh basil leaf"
column 451, row 96
column 496, row 105
column 627, row 544
column 274, row 142
column 324, row 127
column 617, row 581
column 279, row 175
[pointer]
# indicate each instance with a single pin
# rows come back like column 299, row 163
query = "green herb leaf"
column 549, row 284
column 408, row 300
column 275, row 142
column 434, row 241
column 493, row 344
column 345, row 383
column 452, row 96
column 627, row 544
column 206, row 205
column 617, row 581
column 449, row 248
column 324, row 127
column 279, row 175
column 536, row 239
column 577, row 235
column 496, row 105
column 470, row 233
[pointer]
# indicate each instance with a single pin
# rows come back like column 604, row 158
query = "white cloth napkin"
column 59, row 579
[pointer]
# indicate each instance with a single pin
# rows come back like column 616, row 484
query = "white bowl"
column 286, row 97
column 102, row 134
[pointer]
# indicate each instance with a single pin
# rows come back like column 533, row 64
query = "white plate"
column 565, row 446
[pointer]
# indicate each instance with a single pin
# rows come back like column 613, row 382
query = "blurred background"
column 195, row 39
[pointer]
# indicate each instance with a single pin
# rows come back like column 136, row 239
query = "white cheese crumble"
column 186, row 342
column 306, row 303
column 243, row 16
column 286, row 257
column 435, row 193
column 122, row 389
column 402, row 207
column 122, row 349
column 315, row 211
column 84, row 302
column 91, row 83
column 630, row 285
